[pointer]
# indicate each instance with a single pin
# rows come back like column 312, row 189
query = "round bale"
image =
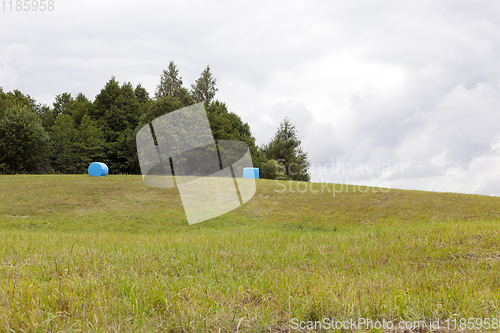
column 98, row 169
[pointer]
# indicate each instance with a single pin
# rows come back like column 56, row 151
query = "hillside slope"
column 115, row 202
column 111, row 254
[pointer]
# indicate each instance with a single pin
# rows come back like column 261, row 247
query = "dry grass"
column 111, row 254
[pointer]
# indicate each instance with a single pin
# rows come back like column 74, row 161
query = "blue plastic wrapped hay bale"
column 251, row 173
column 98, row 169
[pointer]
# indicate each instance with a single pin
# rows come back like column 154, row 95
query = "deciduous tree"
column 24, row 144
column 170, row 83
column 204, row 89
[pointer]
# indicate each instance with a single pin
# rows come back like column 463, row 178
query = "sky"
column 397, row 94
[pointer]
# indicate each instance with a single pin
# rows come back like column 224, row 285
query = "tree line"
column 76, row 131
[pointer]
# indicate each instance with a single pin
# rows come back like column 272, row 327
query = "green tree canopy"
column 285, row 148
column 204, row 89
column 75, row 146
column 80, row 107
column 117, row 111
column 158, row 108
column 227, row 125
column 64, row 139
column 273, row 170
column 62, row 104
column 24, row 144
column 75, row 131
column 16, row 98
column 90, row 142
column 141, row 94
column 170, row 83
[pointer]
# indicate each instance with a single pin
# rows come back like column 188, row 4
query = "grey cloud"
column 264, row 122
column 295, row 112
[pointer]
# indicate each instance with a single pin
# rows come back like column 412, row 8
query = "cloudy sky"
column 401, row 94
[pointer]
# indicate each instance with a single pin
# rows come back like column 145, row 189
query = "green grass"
column 111, row 254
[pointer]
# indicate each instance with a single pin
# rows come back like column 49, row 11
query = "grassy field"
column 112, row 254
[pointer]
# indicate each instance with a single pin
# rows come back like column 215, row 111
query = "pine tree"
column 285, row 148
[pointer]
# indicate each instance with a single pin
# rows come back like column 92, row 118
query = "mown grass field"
column 113, row 255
